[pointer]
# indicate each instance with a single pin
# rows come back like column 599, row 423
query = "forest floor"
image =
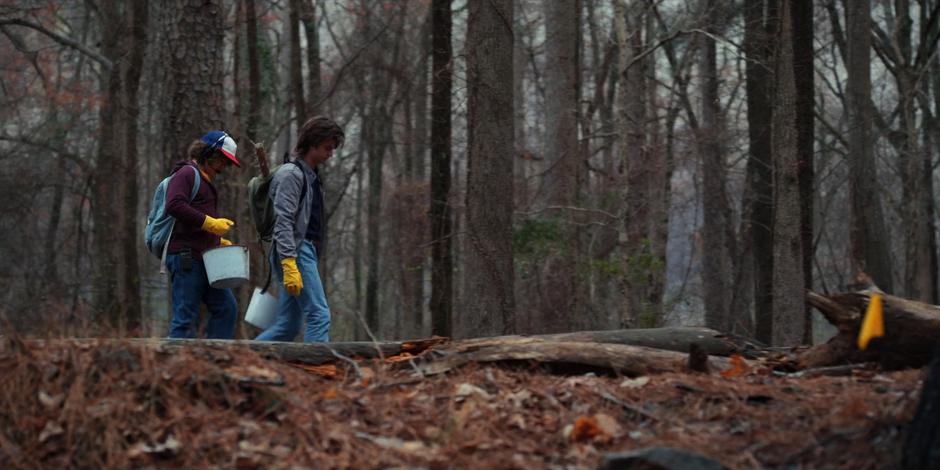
column 136, row 406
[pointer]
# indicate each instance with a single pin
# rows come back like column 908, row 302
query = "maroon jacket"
column 187, row 233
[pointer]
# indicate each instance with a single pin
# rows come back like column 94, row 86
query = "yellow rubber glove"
column 217, row 226
column 224, row 242
column 292, row 280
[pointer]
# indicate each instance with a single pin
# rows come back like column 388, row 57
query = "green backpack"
column 260, row 204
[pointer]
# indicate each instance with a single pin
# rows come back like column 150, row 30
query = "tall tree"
column 308, row 16
column 561, row 304
column 788, row 292
column 634, row 159
column 296, row 65
column 193, row 82
column 803, row 72
column 868, row 234
column 717, row 232
column 117, row 299
column 254, row 70
column 490, row 306
column 138, row 22
column 758, row 27
column 441, row 237
column 908, row 63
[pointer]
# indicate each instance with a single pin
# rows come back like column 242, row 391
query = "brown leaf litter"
column 139, row 406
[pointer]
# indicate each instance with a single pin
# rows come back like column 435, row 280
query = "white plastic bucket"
column 226, row 266
column 262, row 310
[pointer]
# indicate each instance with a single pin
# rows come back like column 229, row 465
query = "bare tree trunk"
column 138, row 19
column 296, row 68
column 254, row 70
column 868, row 234
column 660, row 189
column 250, row 93
column 717, row 258
column 441, row 235
column 802, row 16
column 789, row 295
column 489, row 262
column 757, row 46
column 193, row 60
column 634, row 156
column 308, row 15
column 106, row 216
column 561, row 303
column 375, row 138
column 919, row 276
column 358, row 248
column 519, row 60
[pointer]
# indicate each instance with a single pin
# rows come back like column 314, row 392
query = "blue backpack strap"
column 196, row 183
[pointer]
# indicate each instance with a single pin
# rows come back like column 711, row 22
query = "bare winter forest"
column 574, row 165
column 757, row 168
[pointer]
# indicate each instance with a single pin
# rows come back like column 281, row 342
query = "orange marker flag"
column 873, row 325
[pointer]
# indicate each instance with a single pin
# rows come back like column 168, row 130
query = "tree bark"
column 304, row 353
column 634, row 159
column 920, row 276
column 375, row 139
column 106, row 215
column 717, row 234
column 788, row 291
column 677, row 339
column 442, row 269
column 138, row 19
column 623, row 359
column 489, row 261
column 193, row 64
column 254, row 70
column 296, row 68
column 758, row 49
column 803, row 71
column 308, row 15
column 868, row 234
column 561, row 302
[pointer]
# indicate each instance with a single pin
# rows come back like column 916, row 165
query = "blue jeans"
column 190, row 288
column 310, row 305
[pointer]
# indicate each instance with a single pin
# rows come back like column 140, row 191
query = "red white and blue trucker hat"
column 224, row 142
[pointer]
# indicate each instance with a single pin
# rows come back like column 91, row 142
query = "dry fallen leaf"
column 584, row 428
column 326, row 370
column 51, row 429
column 399, row 358
column 465, row 390
column 50, row 401
column 635, row 383
column 738, row 367
column 254, row 374
column 608, row 425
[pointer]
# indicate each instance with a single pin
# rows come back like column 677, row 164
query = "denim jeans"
column 190, row 288
column 310, row 306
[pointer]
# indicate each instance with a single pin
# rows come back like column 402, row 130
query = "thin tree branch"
column 61, row 39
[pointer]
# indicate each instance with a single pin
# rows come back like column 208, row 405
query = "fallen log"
column 678, row 339
column 623, row 359
column 304, row 353
column 911, row 331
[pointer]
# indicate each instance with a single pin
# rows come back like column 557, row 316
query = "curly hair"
column 198, row 151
